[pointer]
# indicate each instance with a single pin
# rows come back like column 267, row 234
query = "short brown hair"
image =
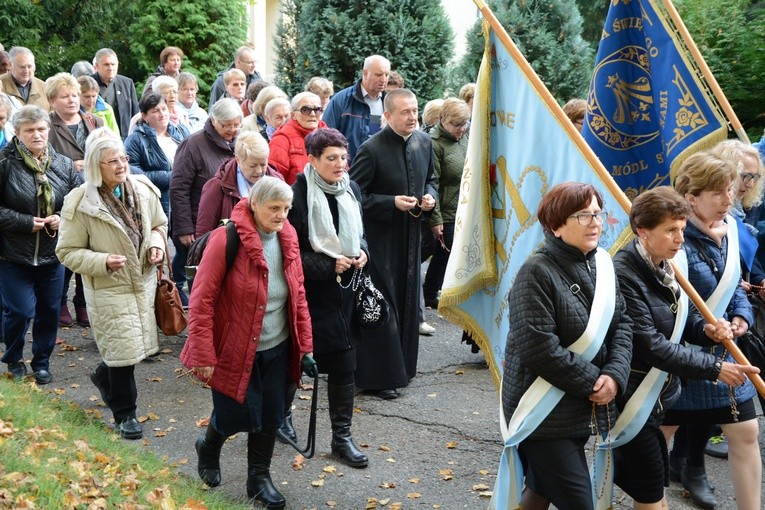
column 563, row 200
column 395, row 79
column 455, row 111
column 652, row 207
column 467, row 92
column 705, row 171
column 168, row 52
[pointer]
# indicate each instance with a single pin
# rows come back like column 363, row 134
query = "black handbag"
column 372, row 310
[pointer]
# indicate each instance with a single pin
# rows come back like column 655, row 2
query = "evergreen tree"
column 208, row 32
column 593, row 18
column 287, row 40
column 548, row 33
column 730, row 36
column 336, row 35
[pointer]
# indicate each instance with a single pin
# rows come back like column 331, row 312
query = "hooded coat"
column 120, row 303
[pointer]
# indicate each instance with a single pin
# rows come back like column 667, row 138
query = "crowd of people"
column 323, row 189
column 320, row 190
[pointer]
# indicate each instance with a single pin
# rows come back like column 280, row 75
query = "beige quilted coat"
column 121, row 303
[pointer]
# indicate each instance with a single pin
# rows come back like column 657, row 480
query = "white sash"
column 720, row 298
column 636, row 411
column 541, row 397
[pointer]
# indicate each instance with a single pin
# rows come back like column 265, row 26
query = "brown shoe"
column 82, row 317
column 64, row 317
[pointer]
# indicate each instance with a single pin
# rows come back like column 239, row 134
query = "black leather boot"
column 340, row 414
column 208, row 449
column 260, row 449
column 286, row 430
column 694, row 479
column 676, row 465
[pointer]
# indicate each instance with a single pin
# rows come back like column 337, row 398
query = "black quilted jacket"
column 18, row 206
column 648, row 304
column 546, row 316
column 331, row 306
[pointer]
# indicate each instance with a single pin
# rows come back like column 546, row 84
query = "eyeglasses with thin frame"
column 746, row 177
column 586, row 219
column 308, row 110
column 116, row 161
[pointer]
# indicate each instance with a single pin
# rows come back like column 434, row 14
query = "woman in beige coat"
column 112, row 233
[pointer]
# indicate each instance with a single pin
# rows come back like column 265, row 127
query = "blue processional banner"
column 648, row 108
column 517, row 150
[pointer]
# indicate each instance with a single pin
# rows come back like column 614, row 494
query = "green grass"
column 56, row 456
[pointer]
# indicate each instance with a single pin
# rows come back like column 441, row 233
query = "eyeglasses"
column 114, row 163
column 746, row 177
column 458, row 127
column 586, row 219
column 308, row 110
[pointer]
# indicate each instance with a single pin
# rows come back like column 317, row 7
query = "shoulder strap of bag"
column 232, row 244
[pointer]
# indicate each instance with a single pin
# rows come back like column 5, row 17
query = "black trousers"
column 121, row 390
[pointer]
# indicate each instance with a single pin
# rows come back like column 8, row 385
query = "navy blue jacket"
column 148, row 158
column 348, row 113
column 700, row 395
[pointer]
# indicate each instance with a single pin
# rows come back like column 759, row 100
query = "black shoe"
column 676, row 466
column 695, row 481
column 386, row 394
column 208, row 448
column 260, row 449
column 431, row 303
column 17, row 369
column 286, row 432
column 340, row 397
column 43, row 377
column 130, row 429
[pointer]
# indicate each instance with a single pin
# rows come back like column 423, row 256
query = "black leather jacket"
column 18, row 206
column 649, row 304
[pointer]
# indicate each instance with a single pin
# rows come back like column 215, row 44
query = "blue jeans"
column 30, row 292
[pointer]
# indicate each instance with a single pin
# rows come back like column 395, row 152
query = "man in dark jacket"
column 117, row 90
column 245, row 61
column 395, row 172
column 357, row 111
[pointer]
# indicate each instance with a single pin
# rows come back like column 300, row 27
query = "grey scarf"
column 346, row 242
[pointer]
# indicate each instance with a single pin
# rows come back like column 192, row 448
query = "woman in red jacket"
column 288, row 153
column 249, row 332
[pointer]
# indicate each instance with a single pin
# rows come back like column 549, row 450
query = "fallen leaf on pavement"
column 480, row 487
column 414, row 495
column 452, row 444
column 203, row 422
column 298, row 462
column 387, row 485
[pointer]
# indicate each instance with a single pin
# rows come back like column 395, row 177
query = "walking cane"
column 310, row 445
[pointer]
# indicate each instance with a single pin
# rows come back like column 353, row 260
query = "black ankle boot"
column 260, row 449
column 695, row 481
column 340, row 414
column 208, row 449
column 676, row 465
column 286, row 431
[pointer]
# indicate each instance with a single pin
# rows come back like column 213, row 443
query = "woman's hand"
column 719, row 331
column 360, row 261
column 156, row 255
column 37, row 223
column 604, row 390
column 733, row 374
column 53, row 221
column 204, row 373
column 342, row 265
column 739, row 326
column 187, row 239
column 438, row 230
column 115, row 262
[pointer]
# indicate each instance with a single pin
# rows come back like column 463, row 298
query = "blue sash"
column 541, row 397
column 636, row 411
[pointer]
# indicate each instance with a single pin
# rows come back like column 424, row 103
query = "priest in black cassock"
column 394, row 170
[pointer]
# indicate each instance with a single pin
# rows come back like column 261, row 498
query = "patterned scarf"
column 45, row 197
column 663, row 270
column 122, row 205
